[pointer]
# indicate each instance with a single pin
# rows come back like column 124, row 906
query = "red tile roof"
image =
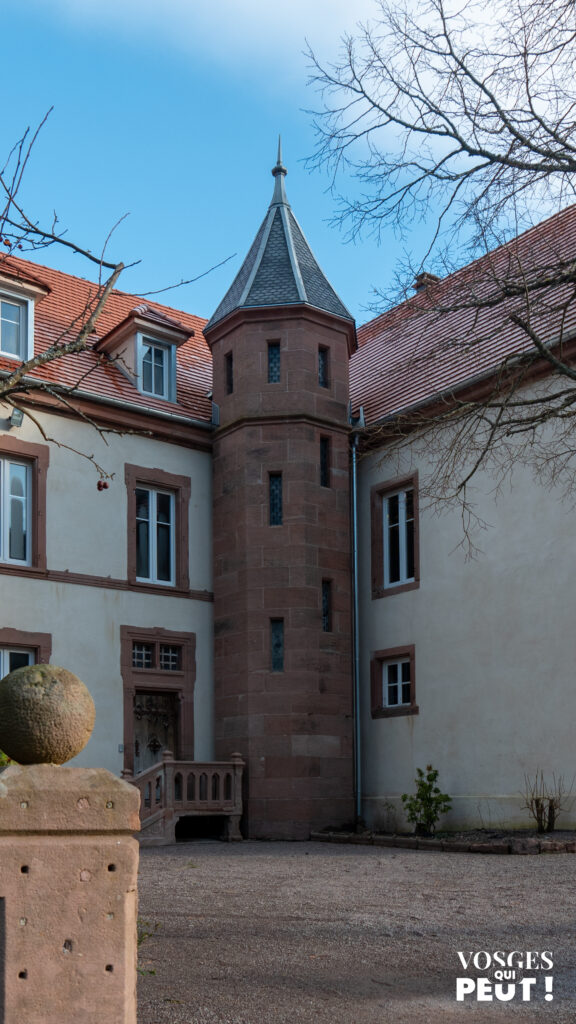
column 64, row 304
column 431, row 344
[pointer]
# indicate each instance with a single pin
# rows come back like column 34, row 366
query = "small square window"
column 393, row 683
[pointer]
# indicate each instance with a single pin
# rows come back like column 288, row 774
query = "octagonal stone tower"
column 281, row 340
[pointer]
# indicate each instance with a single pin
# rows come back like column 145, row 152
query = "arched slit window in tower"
column 229, row 372
column 325, row 462
column 326, row 606
column 273, row 362
column 275, row 499
column 323, row 367
column 277, row 645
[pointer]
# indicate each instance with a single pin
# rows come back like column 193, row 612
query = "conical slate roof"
column 280, row 269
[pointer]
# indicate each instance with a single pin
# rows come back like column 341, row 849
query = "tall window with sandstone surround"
column 15, row 511
column 398, row 511
column 158, row 532
column 155, row 541
column 395, row 562
column 23, row 471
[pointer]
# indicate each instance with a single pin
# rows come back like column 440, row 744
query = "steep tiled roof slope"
column 427, row 345
column 64, row 305
column 280, row 268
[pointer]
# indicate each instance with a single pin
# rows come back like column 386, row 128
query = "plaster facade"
column 494, row 668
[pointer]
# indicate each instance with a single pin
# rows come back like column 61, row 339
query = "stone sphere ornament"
column 46, row 715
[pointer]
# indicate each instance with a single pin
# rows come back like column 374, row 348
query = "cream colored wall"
column 94, row 538
column 87, row 533
column 495, row 655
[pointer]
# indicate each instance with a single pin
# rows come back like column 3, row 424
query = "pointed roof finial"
column 279, row 172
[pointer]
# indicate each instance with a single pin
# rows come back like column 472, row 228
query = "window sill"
column 396, row 712
column 378, row 592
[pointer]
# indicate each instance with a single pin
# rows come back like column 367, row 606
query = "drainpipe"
column 356, row 642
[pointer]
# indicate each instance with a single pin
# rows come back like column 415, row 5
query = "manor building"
column 202, row 532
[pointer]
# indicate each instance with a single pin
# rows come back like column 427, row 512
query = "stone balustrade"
column 172, row 789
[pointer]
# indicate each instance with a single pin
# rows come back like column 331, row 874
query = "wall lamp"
column 16, row 418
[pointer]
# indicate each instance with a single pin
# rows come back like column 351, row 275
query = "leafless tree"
column 465, row 118
column 20, row 235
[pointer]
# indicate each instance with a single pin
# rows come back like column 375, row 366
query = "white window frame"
column 5, row 653
column 27, row 328
column 5, row 510
column 145, row 341
column 398, row 663
column 402, row 544
column 152, row 537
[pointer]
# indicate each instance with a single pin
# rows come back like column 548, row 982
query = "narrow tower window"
column 327, row 606
column 323, row 368
column 325, row 462
column 229, row 366
column 273, row 362
column 275, row 499
column 277, row 645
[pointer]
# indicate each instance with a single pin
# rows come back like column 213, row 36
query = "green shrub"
column 425, row 807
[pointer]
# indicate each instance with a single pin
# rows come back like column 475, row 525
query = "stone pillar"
column 68, row 862
column 68, row 898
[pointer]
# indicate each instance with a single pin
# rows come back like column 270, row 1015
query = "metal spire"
column 279, row 172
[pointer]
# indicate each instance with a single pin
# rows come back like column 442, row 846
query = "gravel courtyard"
column 276, row 933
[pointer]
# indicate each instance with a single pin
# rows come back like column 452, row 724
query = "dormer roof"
column 280, row 268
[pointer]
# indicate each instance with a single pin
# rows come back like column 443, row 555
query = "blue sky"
column 170, row 112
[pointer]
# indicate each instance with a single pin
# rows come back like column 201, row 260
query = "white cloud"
column 232, row 32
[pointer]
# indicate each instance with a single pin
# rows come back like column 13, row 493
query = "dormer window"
column 155, row 368
column 16, row 326
column 144, row 346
